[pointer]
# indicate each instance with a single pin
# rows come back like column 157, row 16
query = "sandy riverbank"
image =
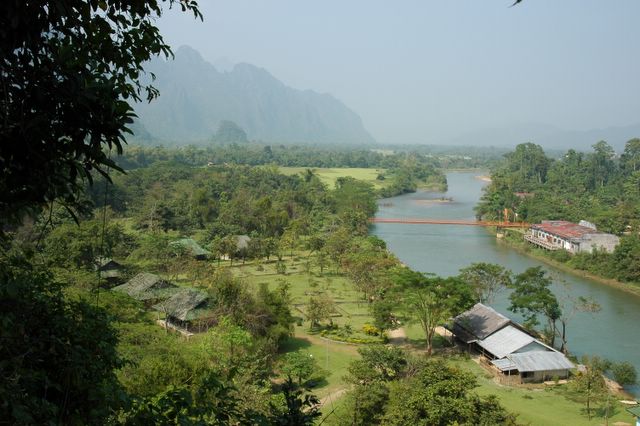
column 483, row 178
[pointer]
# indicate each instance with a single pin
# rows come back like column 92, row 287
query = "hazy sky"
column 421, row 71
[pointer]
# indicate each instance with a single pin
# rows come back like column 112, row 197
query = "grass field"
column 535, row 405
column 329, row 176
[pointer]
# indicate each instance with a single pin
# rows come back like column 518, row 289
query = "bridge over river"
column 411, row 221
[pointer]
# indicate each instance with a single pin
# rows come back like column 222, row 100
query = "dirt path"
column 397, row 336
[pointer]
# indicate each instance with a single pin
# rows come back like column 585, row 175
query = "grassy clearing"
column 328, row 176
column 539, row 405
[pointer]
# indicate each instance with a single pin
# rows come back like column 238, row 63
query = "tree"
column 581, row 304
column 299, row 409
column 486, row 280
column 432, row 301
column 624, row 373
column 440, row 394
column 319, row 308
column 59, row 356
column 532, row 296
column 69, row 70
column 588, row 386
column 299, row 365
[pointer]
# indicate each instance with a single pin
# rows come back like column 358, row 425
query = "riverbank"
column 523, row 247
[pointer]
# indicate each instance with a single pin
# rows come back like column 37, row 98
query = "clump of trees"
column 391, row 387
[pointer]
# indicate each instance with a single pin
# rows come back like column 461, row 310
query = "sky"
column 424, row 71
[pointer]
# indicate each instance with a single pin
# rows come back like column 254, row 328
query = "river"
column 613, row 333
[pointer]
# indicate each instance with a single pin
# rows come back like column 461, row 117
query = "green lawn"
column 540, row 405
column 329, row 175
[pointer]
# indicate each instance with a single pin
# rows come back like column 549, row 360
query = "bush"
column 371, row 330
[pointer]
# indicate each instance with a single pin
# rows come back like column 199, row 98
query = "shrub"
column 371, row 330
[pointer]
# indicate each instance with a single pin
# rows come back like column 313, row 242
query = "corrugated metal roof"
column 564, row 229
column 505, row 341
column 540, row 361
column 504, row 364
column 635, row 411
column 480, row 321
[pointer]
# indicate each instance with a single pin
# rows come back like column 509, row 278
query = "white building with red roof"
column 572, row 237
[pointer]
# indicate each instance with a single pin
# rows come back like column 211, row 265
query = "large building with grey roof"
column 508, row 347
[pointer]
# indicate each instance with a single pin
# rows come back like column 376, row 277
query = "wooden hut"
column 186, row 310
column 109, row 269
column 147, row 287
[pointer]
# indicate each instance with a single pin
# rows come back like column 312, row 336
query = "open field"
column 540, row 405
column 329, row 176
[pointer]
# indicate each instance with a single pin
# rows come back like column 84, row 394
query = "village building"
column 192, row 247
column 186, row 311
column 635, row 412
column 507, row 347
column 572, row 237
column 147, row 287
column 109, row 269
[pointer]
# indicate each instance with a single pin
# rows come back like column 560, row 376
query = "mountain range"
column 195, row 98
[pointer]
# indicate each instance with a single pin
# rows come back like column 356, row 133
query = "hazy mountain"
column 195, row 98
column 550, row 137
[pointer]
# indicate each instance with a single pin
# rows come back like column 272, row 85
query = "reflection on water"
column 443, row 249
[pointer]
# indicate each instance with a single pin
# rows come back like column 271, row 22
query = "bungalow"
column 192, row 247
column 147, row 287
column 187, row 310
column 574, row 238
column 508, row 347
column 109, row 269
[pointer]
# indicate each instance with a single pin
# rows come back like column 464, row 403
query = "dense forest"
column 601, row 187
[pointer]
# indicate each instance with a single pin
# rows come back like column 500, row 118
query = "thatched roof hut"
column 108, row 268
column 185, row 305
column 146, row 286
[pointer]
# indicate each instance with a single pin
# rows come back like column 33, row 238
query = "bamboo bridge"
column 409, row 221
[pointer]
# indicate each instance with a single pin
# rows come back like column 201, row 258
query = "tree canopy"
column 70, row 71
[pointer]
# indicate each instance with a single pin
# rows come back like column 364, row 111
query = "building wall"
column 541, row 376
column 607, row 242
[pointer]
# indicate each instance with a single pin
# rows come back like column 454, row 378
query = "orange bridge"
column 450, row 222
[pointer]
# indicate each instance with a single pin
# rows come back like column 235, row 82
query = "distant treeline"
column 310, row 156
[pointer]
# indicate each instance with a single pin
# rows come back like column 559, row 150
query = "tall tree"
column 486, row 280
column 532, row 297
column 432, row 301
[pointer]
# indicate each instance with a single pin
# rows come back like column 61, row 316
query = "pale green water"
column 613, row 333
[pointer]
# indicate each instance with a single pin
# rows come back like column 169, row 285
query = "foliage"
column 299, row 409
column 596, row 186
column 300, row 366
column 588, row 386
column 58, row 356
column 69, row 70
column 532, row 296
column 319, row 308
column 432, row 301
column 624, row 373
column 486, row 279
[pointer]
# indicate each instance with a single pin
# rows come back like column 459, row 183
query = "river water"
column 613, row 333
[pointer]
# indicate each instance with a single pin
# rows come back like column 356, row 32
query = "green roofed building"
column 187, row 309
column 147, row 287
column 192, row 247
